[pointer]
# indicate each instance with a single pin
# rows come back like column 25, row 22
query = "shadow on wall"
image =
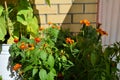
column 8, row 1
column 35, row 10
column 77, row 12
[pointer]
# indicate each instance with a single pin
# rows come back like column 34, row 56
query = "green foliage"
column 3, row 25
column 0, row 77
column 39, row 57
column 18, row 20
column 92, row 60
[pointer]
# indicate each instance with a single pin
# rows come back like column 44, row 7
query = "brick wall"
column 68, row 13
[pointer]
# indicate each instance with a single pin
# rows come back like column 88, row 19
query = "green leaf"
column 43, row 55
column 51, row 76
column 93, row 58
column 32, row 26
column 27, row 68
column 64, row 59
column 35, row 70
column 3, row 29
column 51, row 60
column 21, row 20
column 43, row 74
column 1, row 10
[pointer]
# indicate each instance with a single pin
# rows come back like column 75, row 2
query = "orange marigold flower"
column 87, row 24
column 37, row 39
column 49, row 23
column 81, row 22
column 53, row 26
column 85, row 21
column 23, row 46
column 31, row 47
column 101, row 32
column 16, row 40
column 58, row 27
column 69, row 41
column 17, row 66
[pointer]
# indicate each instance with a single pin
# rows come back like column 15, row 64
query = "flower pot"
column 4, row 57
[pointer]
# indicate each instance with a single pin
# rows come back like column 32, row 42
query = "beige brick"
column 64, row 8
column 90, row 8
column 60, row 1
column 72, row 27
column 59, row 18
column 93, row 24
column 78, row 17
column 38, row 1
column 41, row 19
column 75, row 8
column 44, row 25
column 45, row 9
column 85, row 1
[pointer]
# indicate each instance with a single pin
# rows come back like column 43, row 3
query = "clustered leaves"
column 92, row 60
column 39, row 58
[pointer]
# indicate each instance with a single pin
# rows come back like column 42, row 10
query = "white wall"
column 4, row 56
column 109, row 16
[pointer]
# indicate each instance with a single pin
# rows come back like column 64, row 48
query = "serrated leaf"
column 51, row 60
column 43, row 74
column 35, row 70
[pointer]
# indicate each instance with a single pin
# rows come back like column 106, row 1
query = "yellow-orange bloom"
column 81, row 22
column 53, row 26
column 31, row 47
column 85, row 21
column 69, row 41
column 23, row 46
column 17, row 66
column 49, row 23
column 101, row 32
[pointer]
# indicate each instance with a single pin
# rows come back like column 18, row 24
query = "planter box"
column 4, row 57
